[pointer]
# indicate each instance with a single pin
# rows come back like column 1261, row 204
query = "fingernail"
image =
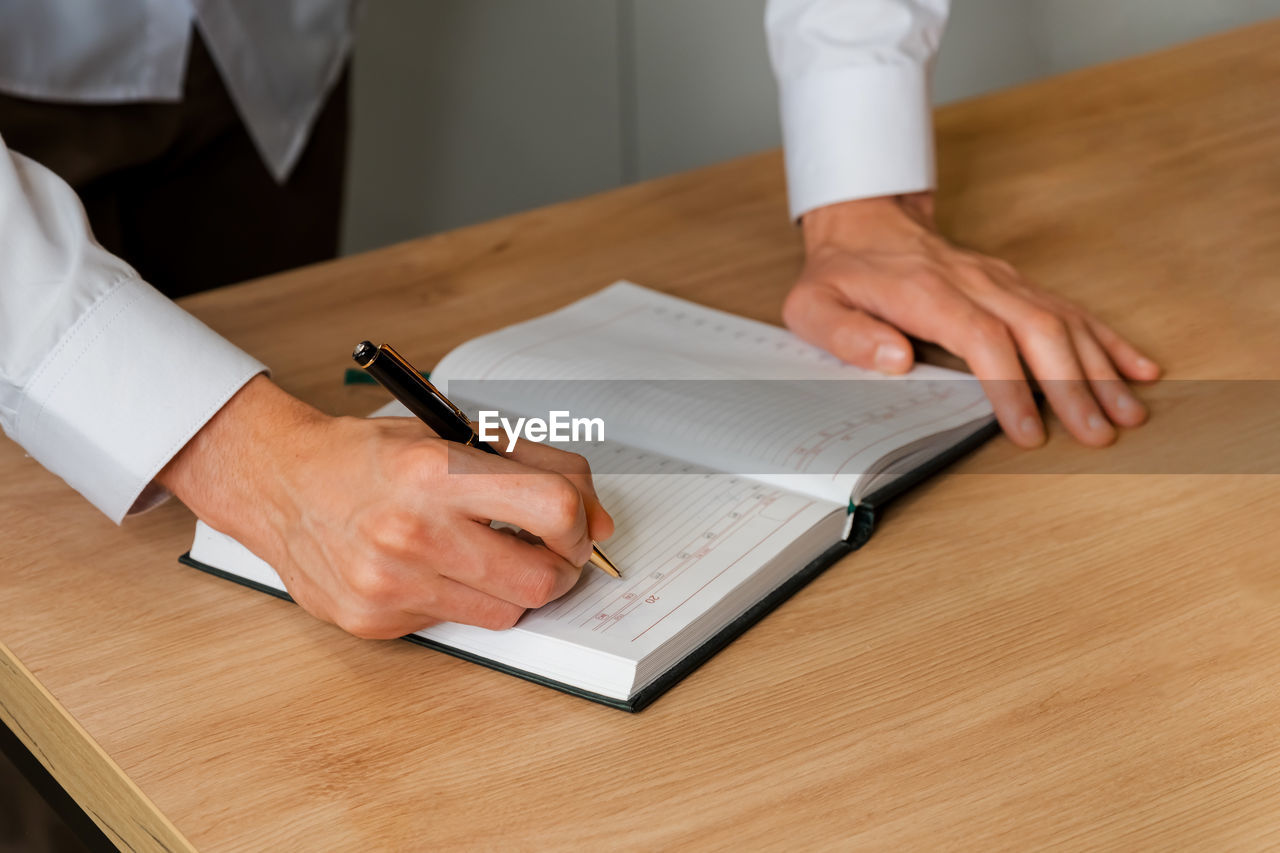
column 1125, row 403
column 1146, row 364
column 1030, row 428
column 1096, row 423
column 890, row 357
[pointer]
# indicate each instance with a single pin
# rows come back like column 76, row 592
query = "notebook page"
column 631, row 332
column 686, row 540
column 806, row 433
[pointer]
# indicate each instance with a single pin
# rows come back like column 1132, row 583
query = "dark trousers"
column 178, row 189
column 27, row 823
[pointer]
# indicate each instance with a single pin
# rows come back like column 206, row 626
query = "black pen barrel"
column 414, row 392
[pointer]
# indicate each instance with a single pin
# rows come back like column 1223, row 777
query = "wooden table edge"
column 80, row 765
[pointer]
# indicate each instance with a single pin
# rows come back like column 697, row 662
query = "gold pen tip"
column 600, row 561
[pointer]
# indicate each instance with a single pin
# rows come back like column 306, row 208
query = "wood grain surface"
column 1028, row 654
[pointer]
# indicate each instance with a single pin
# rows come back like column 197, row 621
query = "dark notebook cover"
column 865, row 517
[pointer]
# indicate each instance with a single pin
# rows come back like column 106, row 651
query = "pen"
column 435, row 410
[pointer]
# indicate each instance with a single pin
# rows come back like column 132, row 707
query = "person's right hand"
column 382, row 528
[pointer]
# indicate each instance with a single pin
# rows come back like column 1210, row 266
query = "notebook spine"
column 864, row 524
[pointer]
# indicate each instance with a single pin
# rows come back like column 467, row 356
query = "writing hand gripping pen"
column 433, row 408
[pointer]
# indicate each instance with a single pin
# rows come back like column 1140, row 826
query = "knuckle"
column 535, row 588
column 982, row 279
column 394, row 533
column 1076, row 318
column 987, row 329
column 576, row 463
column 425, row 460
column 372, row 583
column 562, row 503
column 927, row 279
column 428, row 599
column 1078, row 327
column 500, row 617
column 1045, row 324
column 794, row 306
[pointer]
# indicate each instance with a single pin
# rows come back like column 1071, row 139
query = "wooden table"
column 1014, row 660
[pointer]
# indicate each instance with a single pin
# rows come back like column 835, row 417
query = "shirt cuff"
column 123, row 391
column 857, row 132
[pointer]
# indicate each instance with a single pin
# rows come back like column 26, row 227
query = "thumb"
column 821, row 316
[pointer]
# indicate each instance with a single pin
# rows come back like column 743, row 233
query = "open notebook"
column 739, row 462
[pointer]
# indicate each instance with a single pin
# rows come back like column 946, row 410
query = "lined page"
column 816, row 432
column 626, row 331
column 686, row 538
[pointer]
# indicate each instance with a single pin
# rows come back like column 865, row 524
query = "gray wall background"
column 469, row 109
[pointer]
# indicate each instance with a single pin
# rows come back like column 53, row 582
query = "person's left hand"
column 878, row 268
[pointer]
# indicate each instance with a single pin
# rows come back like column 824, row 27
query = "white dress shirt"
column 853, row 85
column 278, row 58
column 103, row 380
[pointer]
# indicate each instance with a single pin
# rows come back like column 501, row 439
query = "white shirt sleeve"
column 853, row 84
column 102, row 379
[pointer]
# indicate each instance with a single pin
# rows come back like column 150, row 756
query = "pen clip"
column 426, row 384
